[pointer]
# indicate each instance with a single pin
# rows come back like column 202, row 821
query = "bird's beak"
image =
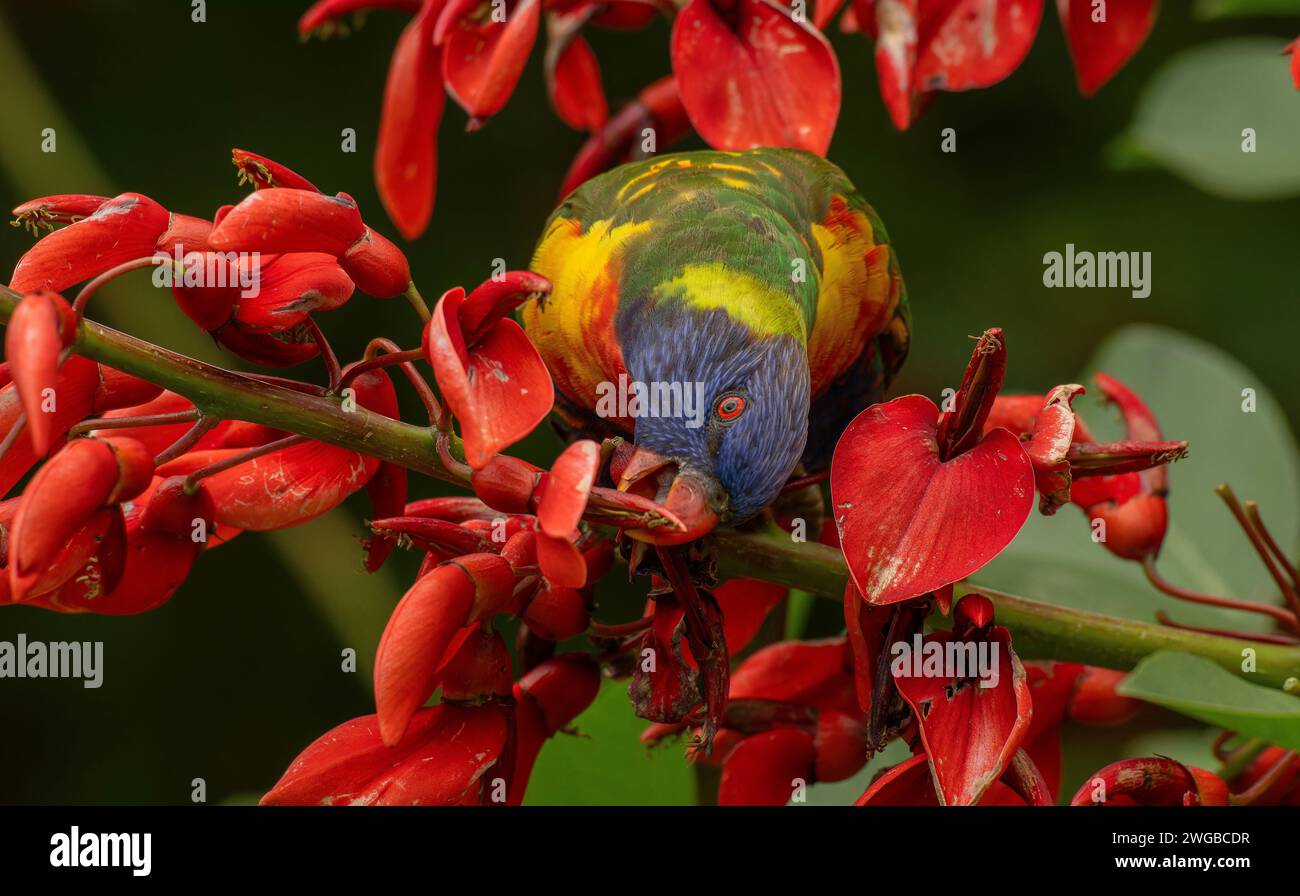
column 682, row 494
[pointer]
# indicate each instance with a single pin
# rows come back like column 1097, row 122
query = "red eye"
column 730, row 407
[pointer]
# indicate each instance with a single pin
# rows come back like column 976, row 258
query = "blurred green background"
column 241, row 670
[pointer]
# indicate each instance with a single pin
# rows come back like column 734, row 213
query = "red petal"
column 762, row 770
column 1100, row 49
column 896, row 58
column 64, row 208
column 561, row 563
column 279, row 220
column 448, row 750
column 289, row 288
column 910, row 523
column 970, row 732
column 752, row 76
column 573, row 83
column 1048, row 448
column 38, row 330
column 406, row 154
column 1096, row 700
column 124, row 228
column 377, row 266
column 499, row 390
column 967, row 44
column 75, row 387
column 565, row 488
column 387, row 493
column 800, row 672
column 263, row 172
column 483, row 58
column 82, row 477
column 1291, row 48
column 328, row 12
column 911, row 784
column 414, row 644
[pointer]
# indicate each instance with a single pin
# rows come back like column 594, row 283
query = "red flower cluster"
column 745, row 73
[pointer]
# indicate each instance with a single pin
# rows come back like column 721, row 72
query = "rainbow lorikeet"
column 755, row 293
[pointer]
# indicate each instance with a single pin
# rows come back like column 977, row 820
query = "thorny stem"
column 1040, row 630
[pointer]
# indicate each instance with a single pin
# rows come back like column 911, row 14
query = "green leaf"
column 606, row 765
column 1223, row 9
column 1198, row 688
column 1191, row 117
column 1196, row 392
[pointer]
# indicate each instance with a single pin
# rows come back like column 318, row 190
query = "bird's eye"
column 729, row 407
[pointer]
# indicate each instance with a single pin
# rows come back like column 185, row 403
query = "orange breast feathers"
column 860, row 291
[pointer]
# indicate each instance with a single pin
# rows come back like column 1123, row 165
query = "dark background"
column 242, row 669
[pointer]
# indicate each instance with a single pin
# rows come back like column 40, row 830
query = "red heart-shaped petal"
column 911, row 523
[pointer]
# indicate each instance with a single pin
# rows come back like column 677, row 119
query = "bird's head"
column 722, row 451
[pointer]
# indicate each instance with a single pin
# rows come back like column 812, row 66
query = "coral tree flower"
column 490, row 374
column 477, row 746
column 971, row 727
column 922, row 499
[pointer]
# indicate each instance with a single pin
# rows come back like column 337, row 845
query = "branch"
column 1040, row 630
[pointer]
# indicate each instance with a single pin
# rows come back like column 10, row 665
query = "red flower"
column 490, row 374
column 971, row 727
column 484, row 53
column 750, row 75
column 920, row 498
column 85, row 477
column 928, row 45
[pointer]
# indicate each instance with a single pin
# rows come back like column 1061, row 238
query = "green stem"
column 1040, row 630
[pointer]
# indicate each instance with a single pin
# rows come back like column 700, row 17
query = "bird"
column 748, row 304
